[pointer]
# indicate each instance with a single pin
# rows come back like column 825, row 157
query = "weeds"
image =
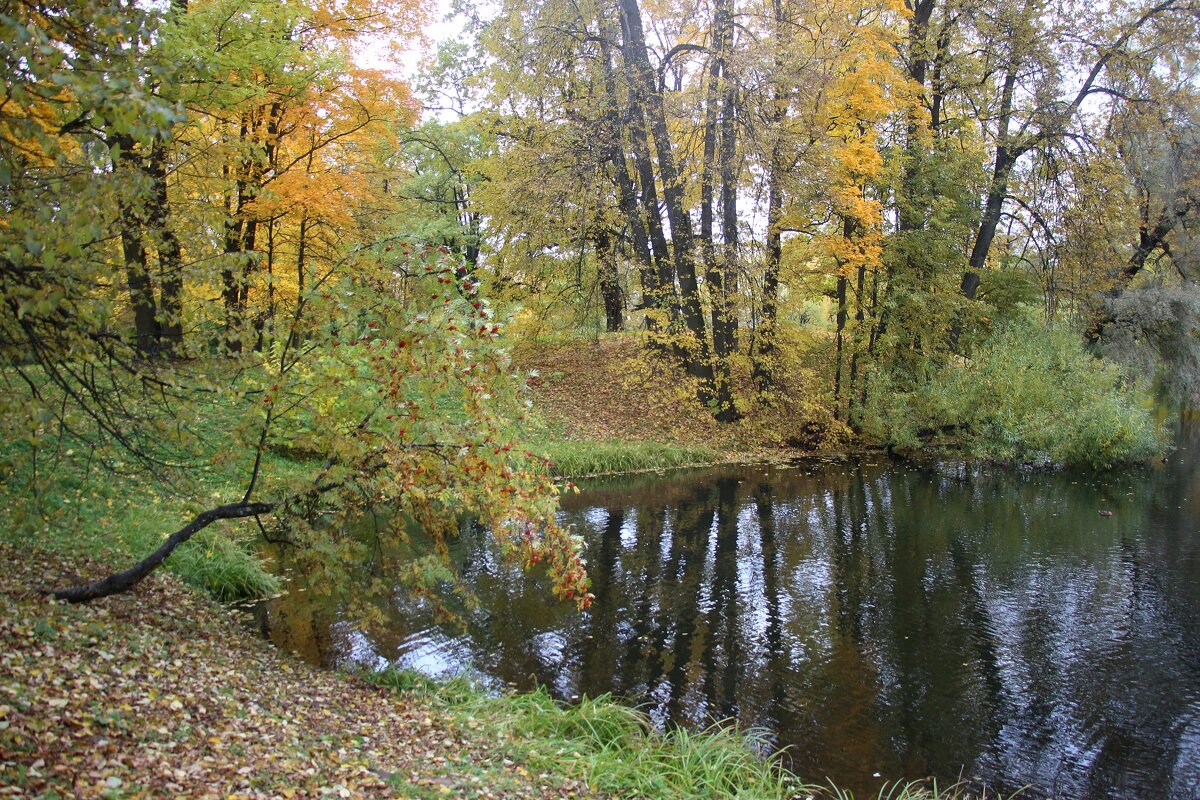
column 579, row 459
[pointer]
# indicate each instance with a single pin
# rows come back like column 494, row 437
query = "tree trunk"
column 170, row 254
column 127, row 579
column 610, row 284
column 1006, row 158
column 259, row 136
column 765, row 350
column 1150, row 239
column 614, row 133
column 708, row 163
column 141, row 291
column 849, row 231
column 644, row 162
column 856, row 339
column 718, row 126
column 911, row 212
column 725, row 321
column 839, row 348
column 234, row 269
column 913, row 201
column 697, row 357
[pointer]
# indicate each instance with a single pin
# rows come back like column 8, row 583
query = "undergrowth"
column 80, row 510
column 1027, row 394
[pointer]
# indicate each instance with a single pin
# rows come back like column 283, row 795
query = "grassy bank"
column 579, row 459
column 1027, row 395
column 609, row 746
column 608, row 405
column 616, row 751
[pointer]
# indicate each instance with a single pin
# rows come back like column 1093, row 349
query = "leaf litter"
column 159, row 692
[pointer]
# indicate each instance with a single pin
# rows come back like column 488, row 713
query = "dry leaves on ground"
column 159, row 693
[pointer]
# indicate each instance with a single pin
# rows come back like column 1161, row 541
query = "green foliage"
column 438, row 207
column 382, row 362
column 1154, row 331
column 1008, row 291
column 79, row 511
column 1027, row 394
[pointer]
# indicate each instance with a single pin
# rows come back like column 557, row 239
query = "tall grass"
column 613, row 747
column 618, row 752
column 578, row 459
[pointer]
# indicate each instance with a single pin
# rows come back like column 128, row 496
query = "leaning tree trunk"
column 614, row 131
column 123, row 581
column 643, row 161
column 1006, row 157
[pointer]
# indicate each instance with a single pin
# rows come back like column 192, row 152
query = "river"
column 877, row 619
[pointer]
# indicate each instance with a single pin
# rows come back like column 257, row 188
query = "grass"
column 617, row 751
column 578, row 459
column 81, row 511
column 612, row 747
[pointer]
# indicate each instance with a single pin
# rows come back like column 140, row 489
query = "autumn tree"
column 378, row 361
column 1041, row 66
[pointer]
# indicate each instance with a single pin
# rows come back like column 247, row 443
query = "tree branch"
column 120, row 581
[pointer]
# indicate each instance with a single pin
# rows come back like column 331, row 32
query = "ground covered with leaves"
column 614, row 388
column 161, row 693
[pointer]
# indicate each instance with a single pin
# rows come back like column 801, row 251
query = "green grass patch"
column 617, row 751
column 578, row 459
column 82, row 511
column 613, row 747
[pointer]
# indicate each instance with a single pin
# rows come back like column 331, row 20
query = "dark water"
column 881, row 621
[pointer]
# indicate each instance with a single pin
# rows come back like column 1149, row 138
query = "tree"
column 384, row 362
column 1035, row 98
column 371, row 390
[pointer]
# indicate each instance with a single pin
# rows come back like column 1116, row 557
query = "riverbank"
column 160, row 692
column 608, row 405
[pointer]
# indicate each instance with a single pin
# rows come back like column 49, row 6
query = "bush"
column 1028, row 394
column 1154, row 332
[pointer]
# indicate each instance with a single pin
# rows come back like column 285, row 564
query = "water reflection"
column 874, row 618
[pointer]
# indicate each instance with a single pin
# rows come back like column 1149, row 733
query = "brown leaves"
column 615, row 390
column 158, row 693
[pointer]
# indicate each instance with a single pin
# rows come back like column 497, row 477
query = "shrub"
column 1154, row 332
column 1028, row 394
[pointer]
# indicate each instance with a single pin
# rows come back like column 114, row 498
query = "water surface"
column 880, row 621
